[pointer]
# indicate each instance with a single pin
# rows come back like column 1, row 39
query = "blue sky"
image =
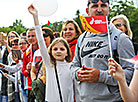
column 10, row 10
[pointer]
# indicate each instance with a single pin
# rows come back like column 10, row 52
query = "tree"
column 17, row 26
column 56, row 26
column 134, row 24
column 77, row 19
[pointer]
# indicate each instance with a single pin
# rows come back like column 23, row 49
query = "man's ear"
column 87, row 11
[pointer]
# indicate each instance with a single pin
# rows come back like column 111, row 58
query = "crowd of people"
column 45, row 66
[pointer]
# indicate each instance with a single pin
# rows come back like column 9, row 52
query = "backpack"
column 135, row 47
column 114, row 41
column 38, row 90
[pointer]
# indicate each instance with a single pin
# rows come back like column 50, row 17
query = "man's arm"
column 125, row 50
column 76, row 63
column 13, row 68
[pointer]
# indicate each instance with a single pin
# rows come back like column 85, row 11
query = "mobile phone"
column 17, row 52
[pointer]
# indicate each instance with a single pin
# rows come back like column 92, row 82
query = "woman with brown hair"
column 71, row 31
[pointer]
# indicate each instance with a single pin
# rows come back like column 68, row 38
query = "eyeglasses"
column 95, row 1
column 14, row 44
column 46, row 35
column 11, row 36
column 30, row 36
column 119, row 25
column 22, row 44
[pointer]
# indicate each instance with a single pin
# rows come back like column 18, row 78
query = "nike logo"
column 84, row 53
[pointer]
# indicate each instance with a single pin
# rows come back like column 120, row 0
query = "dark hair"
column 23, row 34
column 56, row 34
column 50, row 32
column 90, row 1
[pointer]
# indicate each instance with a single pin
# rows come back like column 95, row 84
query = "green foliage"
column 122, row 7
column 56, row 26
column 17, row 26
column 77, row 19
column 134, row 24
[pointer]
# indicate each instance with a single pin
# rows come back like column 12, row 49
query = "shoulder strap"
column 135, row 45
column 58, row 84
column 115, row 35
column 114, row 40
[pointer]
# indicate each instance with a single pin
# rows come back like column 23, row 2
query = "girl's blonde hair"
column 68, row 58
column 77, row 28
column 125, row 19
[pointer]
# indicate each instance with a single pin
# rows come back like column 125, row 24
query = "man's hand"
column 89, row 75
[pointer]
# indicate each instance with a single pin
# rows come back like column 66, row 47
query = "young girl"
column 23, row 45
column 58, row 55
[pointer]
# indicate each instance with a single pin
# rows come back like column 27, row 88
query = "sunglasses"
column 119, row 25
column 14, row 44
column 46, row 35
column 22, row 44
column 95, row 1
column 11, row 36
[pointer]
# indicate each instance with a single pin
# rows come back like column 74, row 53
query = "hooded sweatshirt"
column 92, row 50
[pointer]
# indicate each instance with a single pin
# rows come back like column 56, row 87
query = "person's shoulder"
column 37, row 52
column 82, row 35
column 123, row 36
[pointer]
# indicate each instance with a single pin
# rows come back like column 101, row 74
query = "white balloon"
column 46, row 7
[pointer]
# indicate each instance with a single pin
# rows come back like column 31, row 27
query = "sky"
column 10, row 10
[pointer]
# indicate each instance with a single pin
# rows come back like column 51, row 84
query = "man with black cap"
column 90, row 65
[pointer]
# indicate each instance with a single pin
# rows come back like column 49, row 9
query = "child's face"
column 23, row 45
column 59, row 51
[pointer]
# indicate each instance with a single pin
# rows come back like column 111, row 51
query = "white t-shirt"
column 37, row 57
column 63, row 71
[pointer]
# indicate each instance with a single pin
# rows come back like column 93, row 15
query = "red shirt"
column 27, row 57
column 72, row 45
